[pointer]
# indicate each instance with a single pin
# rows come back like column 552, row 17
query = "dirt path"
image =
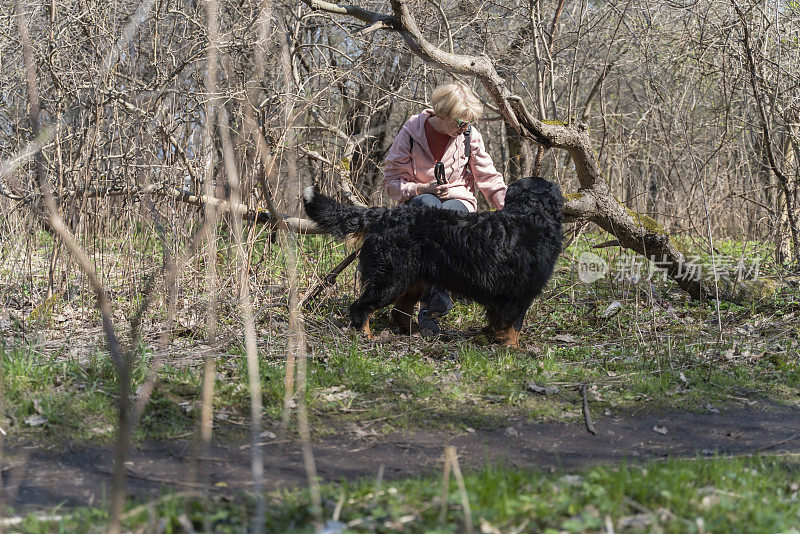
column 36, row 477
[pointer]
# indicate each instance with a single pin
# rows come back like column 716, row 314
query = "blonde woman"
column 438, row 160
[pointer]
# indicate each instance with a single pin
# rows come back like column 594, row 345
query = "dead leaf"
column 361, row 432
column 612, row 309
column 565, row 338
column 542, row 390
column 384, row 335
column 35, row 420
column 337, row 393
column 730, row 354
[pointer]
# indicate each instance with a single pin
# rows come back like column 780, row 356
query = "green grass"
column 750, row 494
column 75, row 400
column 660, row 351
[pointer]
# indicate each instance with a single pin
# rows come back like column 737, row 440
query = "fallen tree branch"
column 587, row 416
column 293, row 224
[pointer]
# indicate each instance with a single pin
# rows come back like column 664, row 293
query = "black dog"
column 500, row 259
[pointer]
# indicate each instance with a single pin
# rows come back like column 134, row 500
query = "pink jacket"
column 406, row 171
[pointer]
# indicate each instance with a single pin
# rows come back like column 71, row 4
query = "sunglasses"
column 461, row 124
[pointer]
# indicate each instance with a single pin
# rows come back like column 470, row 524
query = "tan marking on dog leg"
column 508, row 337
column 365, row 329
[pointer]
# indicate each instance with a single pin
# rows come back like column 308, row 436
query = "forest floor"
column 664, row 378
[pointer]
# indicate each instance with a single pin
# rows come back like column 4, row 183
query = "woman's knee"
column 425, row 199
column 454, row 205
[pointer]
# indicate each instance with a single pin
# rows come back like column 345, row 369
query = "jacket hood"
column 415, row 126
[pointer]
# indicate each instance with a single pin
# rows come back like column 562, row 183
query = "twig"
column 120, row 359
column 451, row 458
column 297, row 342
column 210, row 275
column 462, row 489
column 587, row 416
column 272, row 218
column 330, row 278
column 212, row 9
column 609, row 243
column 445, row 485
column 378, row 484
column 338, row 510
column 787, row 440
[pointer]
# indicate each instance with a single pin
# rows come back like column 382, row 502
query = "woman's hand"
column 443, row 192
column 431, row 188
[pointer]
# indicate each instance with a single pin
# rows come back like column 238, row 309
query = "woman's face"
column 455, row 127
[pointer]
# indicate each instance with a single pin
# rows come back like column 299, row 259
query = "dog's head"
column 529, row 193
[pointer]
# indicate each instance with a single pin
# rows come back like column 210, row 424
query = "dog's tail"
column 335, row 218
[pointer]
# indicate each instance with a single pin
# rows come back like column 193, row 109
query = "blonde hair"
column 456, row 101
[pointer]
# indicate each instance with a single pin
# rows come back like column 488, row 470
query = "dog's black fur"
column 500, row 259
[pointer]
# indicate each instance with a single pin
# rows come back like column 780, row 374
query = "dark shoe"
column 440, row 303
column 428, row 326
